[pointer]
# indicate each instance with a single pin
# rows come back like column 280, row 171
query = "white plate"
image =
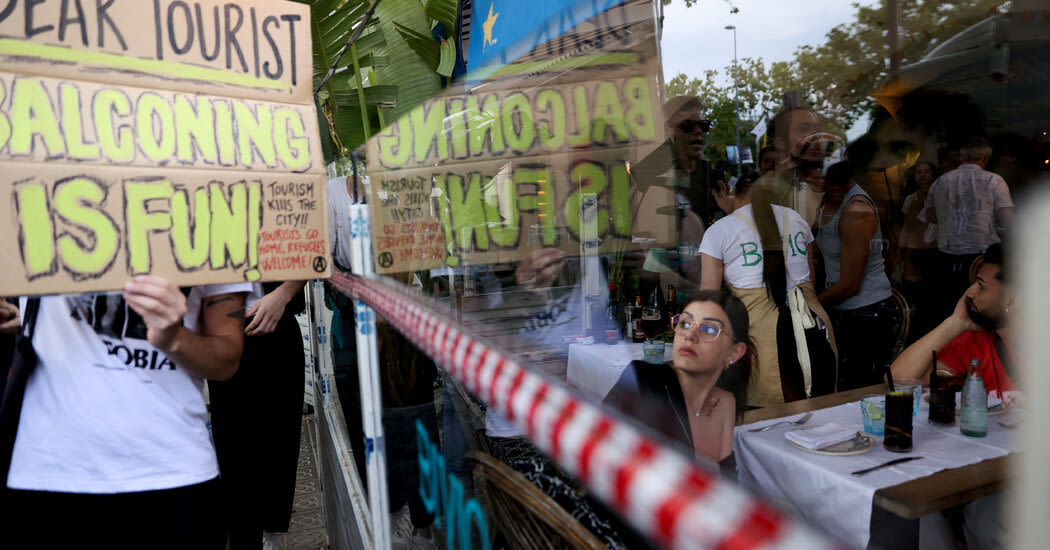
column 860, row 443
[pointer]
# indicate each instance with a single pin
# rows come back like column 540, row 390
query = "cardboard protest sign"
column 537, row 155
column 167, row 137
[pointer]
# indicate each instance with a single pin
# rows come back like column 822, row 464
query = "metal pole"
column 736, row 92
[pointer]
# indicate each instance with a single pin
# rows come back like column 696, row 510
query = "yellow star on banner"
column 487, row 26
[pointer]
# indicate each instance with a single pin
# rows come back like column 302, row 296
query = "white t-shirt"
column 339, row 203
column 737, row 244
column 105, row 412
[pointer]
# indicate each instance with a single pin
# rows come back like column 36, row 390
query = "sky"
column 695, row 39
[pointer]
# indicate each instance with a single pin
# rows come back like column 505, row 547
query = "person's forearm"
column 915, row 361
column 837, row 293
column 289, row 289
column 208, row 356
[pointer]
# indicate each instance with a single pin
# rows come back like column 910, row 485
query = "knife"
column 885, row 465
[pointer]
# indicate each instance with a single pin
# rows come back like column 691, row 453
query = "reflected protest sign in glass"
column 487, row 173
column 137, row 140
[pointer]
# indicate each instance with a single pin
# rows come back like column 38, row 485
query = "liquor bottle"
column 637, row 334
column 612, row 328
column 672, row 306
column 973, row 420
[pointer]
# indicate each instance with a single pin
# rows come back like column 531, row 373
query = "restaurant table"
column 955, row 469
column 595, row 368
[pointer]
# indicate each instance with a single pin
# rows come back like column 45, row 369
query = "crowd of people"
column 801, row 285
column 798, row 284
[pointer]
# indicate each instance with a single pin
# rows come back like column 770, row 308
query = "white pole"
column 1029, row 507
column 590, row 264
column 736, row 92
column 368, row 373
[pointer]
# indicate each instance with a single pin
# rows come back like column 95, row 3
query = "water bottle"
column 974, row 418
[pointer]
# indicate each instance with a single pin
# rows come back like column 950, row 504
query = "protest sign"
column 537, row 155
column 167, row 137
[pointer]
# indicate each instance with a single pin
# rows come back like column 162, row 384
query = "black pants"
column 953, row 278
column 170, row 519
column 256, row 421
column 821, row 361
column 865, row 338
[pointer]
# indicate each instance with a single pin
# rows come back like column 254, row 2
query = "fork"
column 802, row 420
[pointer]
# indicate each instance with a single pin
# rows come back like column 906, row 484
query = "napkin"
column 821, row 436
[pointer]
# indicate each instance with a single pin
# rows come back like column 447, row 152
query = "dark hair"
column 766, row 149
column 839, row 173
column 774, row 269
column 737, row 378
column 681, row 103
column 910, row 185
column 975, row 148
column 995, row 255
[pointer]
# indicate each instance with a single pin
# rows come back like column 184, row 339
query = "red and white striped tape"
column 659, row 491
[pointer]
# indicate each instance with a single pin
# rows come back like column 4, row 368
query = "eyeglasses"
column 708, row 330
column 688, row 126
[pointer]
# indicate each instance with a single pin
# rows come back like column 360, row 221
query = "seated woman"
column 682, row 400
column 763, row 253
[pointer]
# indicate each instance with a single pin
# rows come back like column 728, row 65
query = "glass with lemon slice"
column 873, row 410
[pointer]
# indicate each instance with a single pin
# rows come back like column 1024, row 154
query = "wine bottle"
column 637, row 334
column 672, row 306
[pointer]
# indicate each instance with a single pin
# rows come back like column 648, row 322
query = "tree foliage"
column 397, row 62
column 834, row 79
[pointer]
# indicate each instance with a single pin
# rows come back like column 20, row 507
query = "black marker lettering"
column 6, row 12
column 64, row 21
column 291, row 36
column 31, row 31
column 200, row 33
column 101, row 6
column 276, row 74
column 255, row 41
column 231, row 37
column 171, row 27
column 157, row 29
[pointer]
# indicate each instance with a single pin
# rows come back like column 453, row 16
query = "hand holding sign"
column 539, row 268
column 9, row 318
column 161, row 305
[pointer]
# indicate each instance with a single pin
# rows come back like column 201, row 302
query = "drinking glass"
column 873, row 411
column 899, row 405
column 910, row 385
column 942, row 399
column 653, row 352
column 652, row 325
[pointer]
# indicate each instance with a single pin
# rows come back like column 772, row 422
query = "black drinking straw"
column 889, row 377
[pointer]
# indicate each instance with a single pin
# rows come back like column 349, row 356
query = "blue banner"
column 503, row 30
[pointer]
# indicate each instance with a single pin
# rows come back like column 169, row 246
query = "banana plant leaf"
column 445, row 12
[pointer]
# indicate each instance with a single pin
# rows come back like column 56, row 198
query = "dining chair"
column 904, row 310
column 525, row 516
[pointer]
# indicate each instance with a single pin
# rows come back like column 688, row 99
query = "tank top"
column 875, row 286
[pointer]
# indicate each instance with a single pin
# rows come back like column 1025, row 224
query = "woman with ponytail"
column 762, row 252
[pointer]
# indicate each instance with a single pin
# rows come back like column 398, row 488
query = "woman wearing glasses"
column 796, row 354
column 682, row 400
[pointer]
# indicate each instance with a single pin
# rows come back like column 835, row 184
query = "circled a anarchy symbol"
column 320, row 264
column 386, row 259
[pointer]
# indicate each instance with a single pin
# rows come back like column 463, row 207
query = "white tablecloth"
column 595, row 368
column 820, row 487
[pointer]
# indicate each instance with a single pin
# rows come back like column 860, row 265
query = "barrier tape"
column 659, row 491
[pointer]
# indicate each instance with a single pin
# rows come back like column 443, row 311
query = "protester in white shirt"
column 112, row 448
